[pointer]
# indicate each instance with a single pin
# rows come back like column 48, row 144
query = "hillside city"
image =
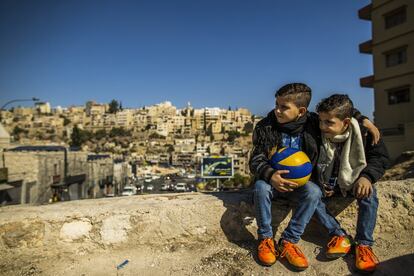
column 102, row 149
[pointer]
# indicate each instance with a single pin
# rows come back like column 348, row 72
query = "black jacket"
column 267, row 136
column 376, row 156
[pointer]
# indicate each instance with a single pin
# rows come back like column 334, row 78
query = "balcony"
column 366, row 47
column 365, row 12
column 367, row 82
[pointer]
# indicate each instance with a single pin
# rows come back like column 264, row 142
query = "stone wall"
column 187, row 218
column 42, row 169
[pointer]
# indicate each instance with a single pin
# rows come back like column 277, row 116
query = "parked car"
column 129, row 190
column 181, row 187
column 150, row 187
column 164, row 187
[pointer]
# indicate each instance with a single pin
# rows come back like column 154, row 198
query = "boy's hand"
column 328, row 192
column 373, row 130
column 280, row 184
column 362, row 188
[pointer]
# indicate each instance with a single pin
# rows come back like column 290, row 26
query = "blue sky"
column 210, row 53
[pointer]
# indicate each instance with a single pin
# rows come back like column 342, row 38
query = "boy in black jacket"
column 288, row 125
column 349, row 164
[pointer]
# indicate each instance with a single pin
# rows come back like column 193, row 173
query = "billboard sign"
column 217, row 167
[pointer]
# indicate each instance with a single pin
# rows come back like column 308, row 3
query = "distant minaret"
column 188, row 110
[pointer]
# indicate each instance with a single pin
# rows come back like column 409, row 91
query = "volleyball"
column 296, row 162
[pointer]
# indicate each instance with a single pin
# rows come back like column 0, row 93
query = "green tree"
column 238, row 179
column 113, row 107
column 17, row 131
column 229, row 183
column 119, row 132
column 79, row 136
column 232, row 135
column 156, row 136
column 248, row 127
column 76, row 137
column 170, row 148
column 66, row 121
column 101, row 133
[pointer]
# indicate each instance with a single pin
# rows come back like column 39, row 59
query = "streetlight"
column 19, row 100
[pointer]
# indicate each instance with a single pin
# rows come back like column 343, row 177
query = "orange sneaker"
column 365, row 259
column 338, row 246
column 266, row 252
column 294, row 255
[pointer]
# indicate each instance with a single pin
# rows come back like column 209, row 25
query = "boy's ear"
column 347, row 121
column 302, row 111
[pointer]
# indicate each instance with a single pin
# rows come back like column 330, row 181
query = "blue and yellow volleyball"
column 296, row 162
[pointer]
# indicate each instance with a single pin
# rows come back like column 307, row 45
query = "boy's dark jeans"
column 367, row 218
column 308, row 196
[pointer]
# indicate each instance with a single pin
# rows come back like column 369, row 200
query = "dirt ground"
column 201, row 259
column 402, row 168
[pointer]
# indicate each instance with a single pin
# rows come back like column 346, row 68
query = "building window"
column 395, row 17
column 399, row 95
column 392, row 131
column 396, row 56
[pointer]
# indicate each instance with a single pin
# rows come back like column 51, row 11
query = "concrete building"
column 183, row 159
column 140, row 119
column 124, row 118
column 165, row 108
column 240, row 165
column 100, row 175
column 23, row 111
column 43, row 107
column 122, row 174
column 392, row 48
column 37, row 172
column 94, row 109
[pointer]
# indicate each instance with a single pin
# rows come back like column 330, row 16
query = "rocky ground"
column 186, row 234
column 402, row 168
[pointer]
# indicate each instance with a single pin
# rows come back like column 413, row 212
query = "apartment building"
column 392, row 49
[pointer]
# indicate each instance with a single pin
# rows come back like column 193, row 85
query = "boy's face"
column 331, row 125
column 287, row 111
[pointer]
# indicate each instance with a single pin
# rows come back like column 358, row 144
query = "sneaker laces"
column 334, row 241
column 267, row 245
column 292, row 249
column 366, row 253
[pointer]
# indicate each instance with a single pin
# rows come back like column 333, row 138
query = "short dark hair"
column 297, row 92
column 339, row 104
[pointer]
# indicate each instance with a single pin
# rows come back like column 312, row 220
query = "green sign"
column 217, row 167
